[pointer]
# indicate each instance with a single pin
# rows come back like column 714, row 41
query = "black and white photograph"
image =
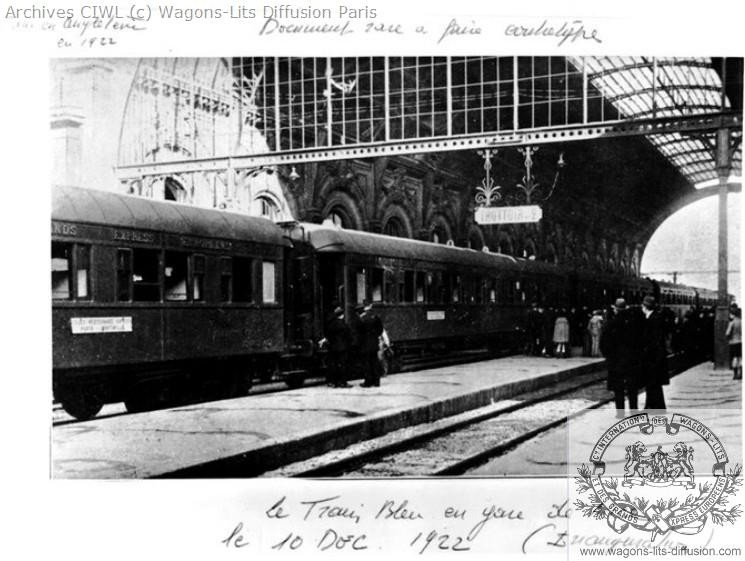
column 452, row 298
column 382, row 266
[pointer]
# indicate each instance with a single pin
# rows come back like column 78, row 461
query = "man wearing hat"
column 372, row 329
column 339, row 338
column 653, row 354
column 619, row 343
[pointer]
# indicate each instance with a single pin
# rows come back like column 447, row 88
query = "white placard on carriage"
column 101, row 325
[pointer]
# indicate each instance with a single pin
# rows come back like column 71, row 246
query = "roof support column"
column 721, row 346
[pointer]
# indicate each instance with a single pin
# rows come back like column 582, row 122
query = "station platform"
column 248, row 436
column 709, row 395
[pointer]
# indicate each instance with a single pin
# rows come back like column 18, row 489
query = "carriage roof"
column 336, row 240
column 127, row 211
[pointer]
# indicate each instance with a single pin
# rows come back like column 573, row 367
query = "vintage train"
column 147, row 293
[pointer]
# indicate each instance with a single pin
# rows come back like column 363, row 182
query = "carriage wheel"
column 83, row 404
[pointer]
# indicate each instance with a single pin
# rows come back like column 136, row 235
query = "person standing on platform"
column 561, row 334
column 654, row 373
column 619, row 343
column 372, row 329
column 339, row 339
column 594, row 330
column 734, row 335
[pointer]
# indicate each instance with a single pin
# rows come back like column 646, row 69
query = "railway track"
column 403, row 452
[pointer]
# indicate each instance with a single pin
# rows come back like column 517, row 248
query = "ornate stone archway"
column 440, row 230
column 396, row 222
column 343, row 205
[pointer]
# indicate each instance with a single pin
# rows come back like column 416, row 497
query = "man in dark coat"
column 653, row 354
column 372, row 329
column 619, row 343
column 339, row 337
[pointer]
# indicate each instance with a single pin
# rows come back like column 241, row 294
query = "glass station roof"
column 645, row 87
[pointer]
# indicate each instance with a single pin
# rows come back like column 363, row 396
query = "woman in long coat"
column 594, row 329
column 561, row 334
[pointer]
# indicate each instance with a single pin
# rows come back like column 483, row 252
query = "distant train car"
column 428, row 296
column 142, row 289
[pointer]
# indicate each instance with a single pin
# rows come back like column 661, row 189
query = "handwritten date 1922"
column 443, row 542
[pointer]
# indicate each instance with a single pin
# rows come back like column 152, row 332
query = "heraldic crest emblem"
column 657, row 467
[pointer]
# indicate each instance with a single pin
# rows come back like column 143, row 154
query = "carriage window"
column 268, row 282
column 226, row 279
column 445, row 284
column 361, row 285
column 377, row 285
column 470, row 288
column 197, row 277
column 493, row 291
column 420, row 286
column 401, row 288
column 61, row 266
column 145, row 275
column 175, row 273
column 409, row 288
column 518, row 294
column 482, row 288
column 242, row 279
column 66, row 258
column 508, row 293
column 82, row 267
column 430, row 294
column 455, row 288
column 123, row 274
column 390, row 286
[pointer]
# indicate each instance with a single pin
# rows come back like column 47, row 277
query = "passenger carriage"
column 143, row 290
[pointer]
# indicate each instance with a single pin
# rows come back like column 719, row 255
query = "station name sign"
column 508, row 214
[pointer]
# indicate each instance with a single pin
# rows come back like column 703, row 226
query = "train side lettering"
column 133, row 236
column 61, row 229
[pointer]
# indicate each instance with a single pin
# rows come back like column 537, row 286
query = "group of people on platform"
column 634, row 341
column 353, row 346
column 634, row 346
column 553, row 332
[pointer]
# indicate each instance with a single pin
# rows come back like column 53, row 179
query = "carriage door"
column 331, row 279
column 300, row 295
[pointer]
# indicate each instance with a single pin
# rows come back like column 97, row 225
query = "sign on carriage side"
column 101, row 325
column 508, row 214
